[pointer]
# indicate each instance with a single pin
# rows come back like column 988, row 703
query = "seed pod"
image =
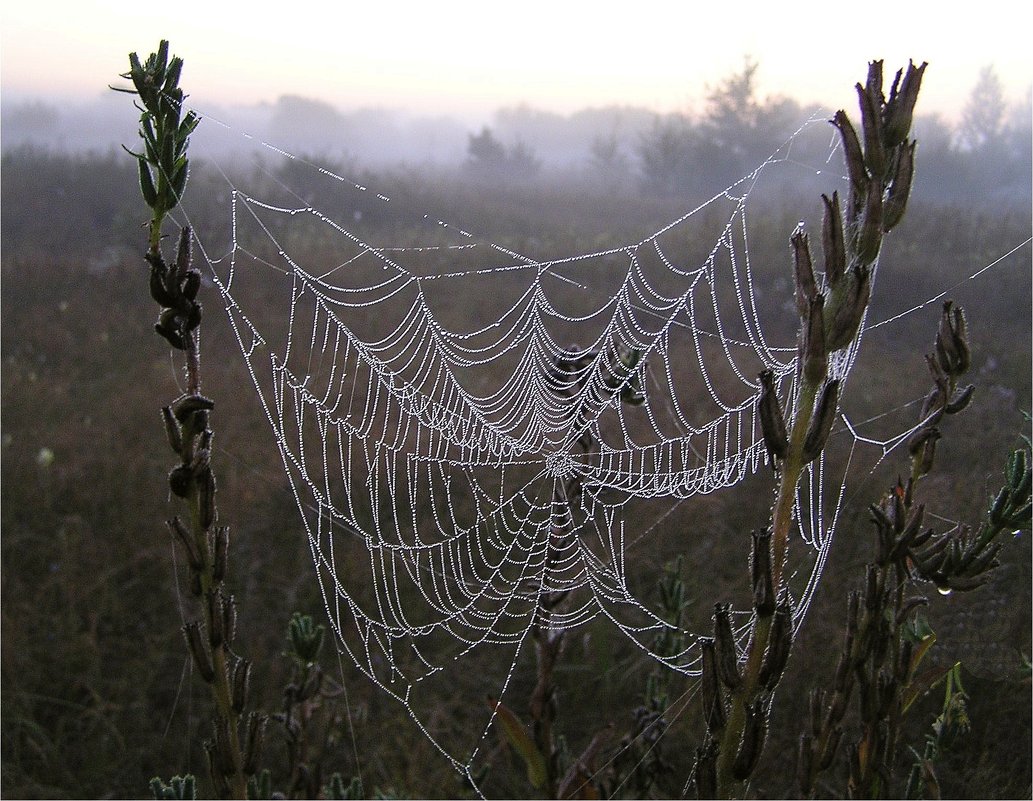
column 215, row 618
column 206, row 497
column 869, row 233
column 180, row 478
column 168, row 326
column 225, row 759
column 803, row 269
column 840, row 683
column 186, row 539
column 985, row 561
column 933, row 407
column 816, row 701
column 306, row 637
column 724, row 644
column 946, row 354
column 873, row 82
column 921, row 538
column 897, row 510
column 815, row 355
column 929, row 560
column 837, row 709
column 852, row 614
column 780, row 643
column 755, row 731
column 222, row 787
column 854, row 163
column 925, row 453
column 166, row 167
column 845, row 308
column 253, row 739
column 172, row 430
column 960, row 400
column 183, row 252
column 918, row 440
column 821, row 421
column 193, row 316
column 939, row 376
column 832, row 240
column 871, row 128
column 229, row 619
column 159, row 292
column 241, row 684
column 220, row 552
column 960, row 333
column 900, row 189
column 872, row 590
column 901, row 105
column 199, row 650
column 760, row 568
column 903, row 667
column 772, row 421
column 710, row 689
column 191, row 284
column 804, row 765
column 186, row 407
column 912, row 526
column 202, row 458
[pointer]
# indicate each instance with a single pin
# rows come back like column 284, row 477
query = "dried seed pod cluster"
column 880, row 167
column 830, row 306
column 885, row 637
column 723, row 681
column 175, row 290
column 951, row 359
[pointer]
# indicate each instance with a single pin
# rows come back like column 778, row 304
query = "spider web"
column 478, row 441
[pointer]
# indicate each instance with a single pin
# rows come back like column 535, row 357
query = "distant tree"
column 522, row 160
column 606, row 154
column 732, row 107
column 303, row 123
column 983, row 118
column 666, row 155
column 736, row 132
column 485, row 152
column 488, row 156
column 738, row 129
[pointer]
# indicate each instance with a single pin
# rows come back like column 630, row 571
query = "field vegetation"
column 98, row 691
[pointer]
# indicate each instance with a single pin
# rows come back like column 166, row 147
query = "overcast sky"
column 470, row 57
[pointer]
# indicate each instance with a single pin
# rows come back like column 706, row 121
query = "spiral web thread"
column 461, row 483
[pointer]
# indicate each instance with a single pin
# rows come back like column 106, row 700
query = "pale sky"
column 471, row 57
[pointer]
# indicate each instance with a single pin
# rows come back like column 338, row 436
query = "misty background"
column 984, row 156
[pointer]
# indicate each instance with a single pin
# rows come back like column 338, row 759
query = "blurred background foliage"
column 97, row 691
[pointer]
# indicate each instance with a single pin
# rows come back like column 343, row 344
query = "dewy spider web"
column 475, row 437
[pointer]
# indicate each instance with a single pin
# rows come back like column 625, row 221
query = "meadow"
column 98, row 692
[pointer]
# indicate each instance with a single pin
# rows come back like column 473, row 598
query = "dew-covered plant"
column 736, row 693
column 235, row 744
column 886, row 637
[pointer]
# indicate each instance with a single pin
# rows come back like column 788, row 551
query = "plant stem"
column 782, row 519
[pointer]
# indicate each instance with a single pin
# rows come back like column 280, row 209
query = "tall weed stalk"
column 235, row 744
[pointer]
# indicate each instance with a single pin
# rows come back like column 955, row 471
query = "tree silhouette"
column 982, row 119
